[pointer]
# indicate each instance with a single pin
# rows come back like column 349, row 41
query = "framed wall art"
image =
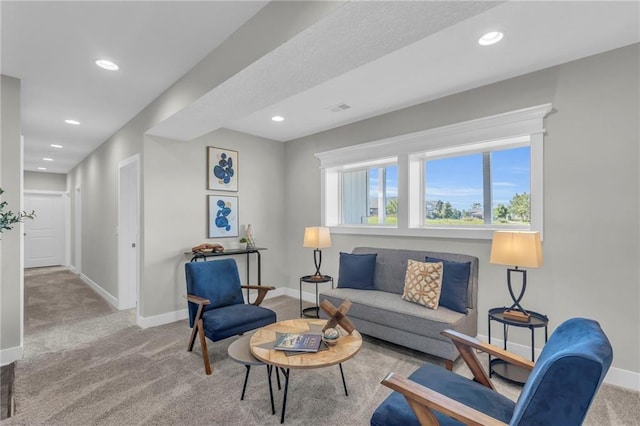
column 223, row 216
column 222, row 169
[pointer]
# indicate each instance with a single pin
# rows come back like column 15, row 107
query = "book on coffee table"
column 297, row 342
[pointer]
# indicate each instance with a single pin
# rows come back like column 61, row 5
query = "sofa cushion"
column 454, row 284
column 388, row 309
column 422, row 283
column 356, row 271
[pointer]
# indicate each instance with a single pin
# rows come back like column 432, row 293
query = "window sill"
column 431, row 232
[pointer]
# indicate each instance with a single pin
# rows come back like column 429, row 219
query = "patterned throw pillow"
column 422, row 283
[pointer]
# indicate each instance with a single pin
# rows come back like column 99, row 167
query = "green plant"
column 243, row 240
column 9, row 218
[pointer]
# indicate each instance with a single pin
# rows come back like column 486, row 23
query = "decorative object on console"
column 243, row 243
column 251, row 237
column 222, row 169
column 520, row 249
column 317, row 237
column 207, row 248
column 223, row 216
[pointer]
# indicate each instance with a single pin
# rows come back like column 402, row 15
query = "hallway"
column 60, row 312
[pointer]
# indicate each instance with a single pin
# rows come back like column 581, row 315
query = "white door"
column 128, row 251
column 44, row 243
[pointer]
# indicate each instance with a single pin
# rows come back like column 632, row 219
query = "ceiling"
column 357, row 55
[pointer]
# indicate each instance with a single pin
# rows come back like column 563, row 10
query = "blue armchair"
column 559, row 390
column 216, row 307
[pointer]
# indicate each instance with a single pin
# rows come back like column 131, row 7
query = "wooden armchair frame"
column 423, row 400
column 198, row 325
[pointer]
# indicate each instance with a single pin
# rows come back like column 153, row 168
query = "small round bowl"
column 331, row 342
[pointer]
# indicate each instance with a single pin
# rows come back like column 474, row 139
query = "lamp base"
column 516, row 315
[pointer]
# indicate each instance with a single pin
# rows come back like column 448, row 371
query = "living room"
column 591, row 160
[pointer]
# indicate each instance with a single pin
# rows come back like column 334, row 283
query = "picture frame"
column 222, row 169
column 223, row 216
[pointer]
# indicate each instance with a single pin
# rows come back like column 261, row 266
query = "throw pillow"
column 422, row 283
column 455, row 280
column 356, row 271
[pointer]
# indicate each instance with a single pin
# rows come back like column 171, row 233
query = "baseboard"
column 307, row 297
column 102, row 292
column 9, row 355
column 72, row 269
column 179, row 315
column 615, row 376
column 166, row 318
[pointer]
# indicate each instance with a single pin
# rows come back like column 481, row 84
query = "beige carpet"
column 101, row 369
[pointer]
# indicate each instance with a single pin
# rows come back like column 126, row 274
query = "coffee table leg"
column 246, row 377
column 343, row 382
column 285, row 373
column 269, row 369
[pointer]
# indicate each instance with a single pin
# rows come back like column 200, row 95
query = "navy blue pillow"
column 455, row 278
column 356, row 271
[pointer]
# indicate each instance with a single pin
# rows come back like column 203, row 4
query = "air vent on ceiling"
column 339, row 107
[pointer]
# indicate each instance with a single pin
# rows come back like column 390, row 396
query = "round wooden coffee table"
column 262, row 341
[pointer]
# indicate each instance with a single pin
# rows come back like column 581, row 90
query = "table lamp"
column 519, row 249
column 317, row 238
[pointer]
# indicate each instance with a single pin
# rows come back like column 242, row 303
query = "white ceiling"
column 375, row 56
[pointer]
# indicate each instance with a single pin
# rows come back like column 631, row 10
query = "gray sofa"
column 383, row 314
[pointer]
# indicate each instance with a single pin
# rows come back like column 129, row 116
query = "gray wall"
column 591, row 198
column 97, row 174
column 11, row 241
column 39, row 181
column 176, row 205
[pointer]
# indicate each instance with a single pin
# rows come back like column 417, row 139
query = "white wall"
column 591, row 197
column 176, row 210
column 40, row 181
column 11, row 262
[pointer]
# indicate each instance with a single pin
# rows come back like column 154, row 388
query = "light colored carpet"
column 104, row 370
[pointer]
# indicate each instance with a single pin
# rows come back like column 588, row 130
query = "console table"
column 234, row 252
column 501, row 368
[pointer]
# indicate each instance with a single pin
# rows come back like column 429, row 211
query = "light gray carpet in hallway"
column 102, row 369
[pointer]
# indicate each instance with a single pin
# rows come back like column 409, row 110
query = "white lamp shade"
column 317, row 237
column 516, row 249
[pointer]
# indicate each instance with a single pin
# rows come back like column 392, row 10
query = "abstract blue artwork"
column 223, row 216
column 222, row 167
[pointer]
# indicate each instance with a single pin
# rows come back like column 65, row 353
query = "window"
column 370, row 196
column 490, row 187
column 463, row 181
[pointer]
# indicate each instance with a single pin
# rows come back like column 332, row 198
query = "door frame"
column 77, row 220
column 129, row 298
column 66, row 235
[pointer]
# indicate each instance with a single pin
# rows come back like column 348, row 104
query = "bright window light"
column 490, row 38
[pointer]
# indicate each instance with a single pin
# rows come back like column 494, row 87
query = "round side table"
column 313, row 311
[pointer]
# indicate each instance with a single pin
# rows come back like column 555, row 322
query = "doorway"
column 128, row 232
column 45, row 236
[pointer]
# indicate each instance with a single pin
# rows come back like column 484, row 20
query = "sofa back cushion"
column 391, row 267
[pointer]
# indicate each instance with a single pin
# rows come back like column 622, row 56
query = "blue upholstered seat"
column 218, row 292
column 559, row 389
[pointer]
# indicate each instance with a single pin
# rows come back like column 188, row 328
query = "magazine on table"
column 298, row 342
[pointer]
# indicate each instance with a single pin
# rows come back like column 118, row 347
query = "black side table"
column 502, row 368
column 313, row 311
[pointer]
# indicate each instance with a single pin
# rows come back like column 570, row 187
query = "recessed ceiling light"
column 42, row 168
column 277, row 118
column 47, row 159
column 107, row 65
column 74, row 122
column 53, row 145
column 490, row 38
